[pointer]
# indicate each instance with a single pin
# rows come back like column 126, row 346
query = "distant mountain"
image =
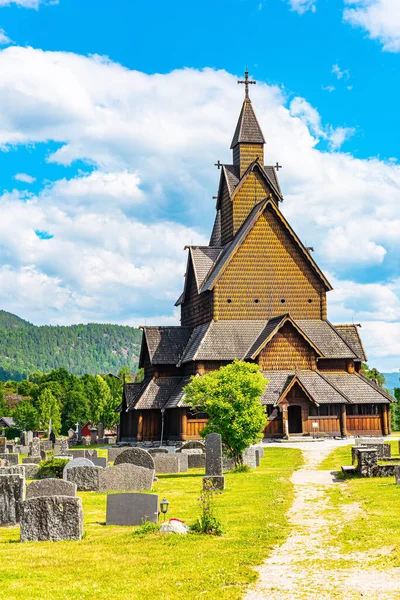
column 93, row 348
column 392, row 380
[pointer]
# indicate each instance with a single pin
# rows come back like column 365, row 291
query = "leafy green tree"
column 5, row 410
column 75, row 409
column 395, row 411
column 373, row 374
column 99, row 397
column 49, row 409
column 231, row 399
column 25, row 416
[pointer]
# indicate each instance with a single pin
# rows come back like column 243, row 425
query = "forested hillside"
column 92, row 348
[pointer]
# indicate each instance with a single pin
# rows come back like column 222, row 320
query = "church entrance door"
column 295, row 420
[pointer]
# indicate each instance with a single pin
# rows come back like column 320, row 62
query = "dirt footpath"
column 300, row 568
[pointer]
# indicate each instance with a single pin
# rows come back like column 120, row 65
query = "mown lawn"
column 342, row 456
column 113, row 562
column 364, row 514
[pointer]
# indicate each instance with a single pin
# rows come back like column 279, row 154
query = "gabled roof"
column 271, row 329
column 203, row 259
column 264, row 174
column 215, row 239
column 165, row 344
column 157, row 393
column 231, row 174
column 230, row 249
column 247, row 129
column 358, row 389
column 132, row 392
column 7, row 421
column 176, row 399
column 352, row 338
column 326, row 338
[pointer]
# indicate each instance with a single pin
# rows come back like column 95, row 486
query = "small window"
column 309, row 301
column 229, row 301
column 283, row 300
column 256, row 301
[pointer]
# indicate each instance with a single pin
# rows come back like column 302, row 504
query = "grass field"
column 112, row 562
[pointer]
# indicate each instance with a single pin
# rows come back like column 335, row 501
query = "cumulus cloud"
column 340, row 73
column 114, row 249
column 379, row 18
column 27, row 3
column 4, row 39
column 302, row 6
column 24, row 178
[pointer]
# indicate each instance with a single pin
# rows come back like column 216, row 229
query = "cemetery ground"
column 113, row 561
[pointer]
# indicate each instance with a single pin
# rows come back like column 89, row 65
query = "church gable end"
column 287, row 350
column 269, row 275
column 196, row 308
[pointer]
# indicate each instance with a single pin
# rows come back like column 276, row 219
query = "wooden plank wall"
column 194, row 426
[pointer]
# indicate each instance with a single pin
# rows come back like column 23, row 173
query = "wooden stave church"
column 255, row 293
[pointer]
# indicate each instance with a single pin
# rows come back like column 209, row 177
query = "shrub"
column 241, row 469
column 207, row 522
column 146, row 528
column 52, row 468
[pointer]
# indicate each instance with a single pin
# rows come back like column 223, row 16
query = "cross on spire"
column 246, row 83
column 218, row 164
column 278, row 166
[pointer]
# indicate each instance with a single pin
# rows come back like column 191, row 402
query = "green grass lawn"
column 342, row 456
column 113, row 562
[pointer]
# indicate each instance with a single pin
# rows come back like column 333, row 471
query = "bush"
column 146, row 528
column 52, row 468
column 207, row 522
column 241, row 469
column 12, row 432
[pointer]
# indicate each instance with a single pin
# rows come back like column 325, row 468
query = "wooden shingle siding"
column 288, row 349
column 196, row 308
column 268, row 267
column 245, row 154
column 253, row 191
column 226, row 216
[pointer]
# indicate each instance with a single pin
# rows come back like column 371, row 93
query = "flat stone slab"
column 76, row 462
column 125, row 477
column 32, row 460
column 12, row 459
column 135, row 456
column 99, row 461
column 51, row 518
column 349, row 470
column 131, row 509
column 50, row 487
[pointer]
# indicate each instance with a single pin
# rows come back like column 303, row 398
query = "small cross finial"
column 246, row 83
column 218, row 164
column 278, row 166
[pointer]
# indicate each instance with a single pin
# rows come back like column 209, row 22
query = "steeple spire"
column 246, row 83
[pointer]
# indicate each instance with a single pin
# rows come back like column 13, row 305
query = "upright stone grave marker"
column 131, row 509
column 51, row 518
column 100, row 433
column 50, row 487
column 3, row 445
column 11, row 496
column 93, row 435
column 76, row 462
column 64, row 448
column 214, row 461
column 34, row 449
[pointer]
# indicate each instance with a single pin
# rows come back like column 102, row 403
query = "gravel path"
column 300, row 568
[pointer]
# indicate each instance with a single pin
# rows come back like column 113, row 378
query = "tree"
column 231, row 399
column 395, row 411
column 75, row 409
column 99, row 397
column 5, row 410
column 373, row 374
column 25, row 416
column 49, row 408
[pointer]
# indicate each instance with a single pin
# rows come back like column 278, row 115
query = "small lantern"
column 164, row 504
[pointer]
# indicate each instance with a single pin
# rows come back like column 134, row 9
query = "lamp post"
column 162, row 425
column 164, row 504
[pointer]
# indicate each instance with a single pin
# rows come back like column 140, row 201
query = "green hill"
column 93, row 348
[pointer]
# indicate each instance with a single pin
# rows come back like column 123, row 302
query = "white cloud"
column 302, row 6
column 340, row 73
column 379, row 18
column 25, row 178
column 118, row 232
column 4, row 39
column 328, row 88
column 27, row 3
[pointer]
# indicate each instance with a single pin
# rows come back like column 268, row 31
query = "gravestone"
column 113, row 453
column 23, row 438
column 135, row 456
column 160, row 450
column 367, row 462
column 249, row 457
column 100, row 433
column 257, row 454
column 90, row 454
column 30, row 437
column 131, row 509
column 24, row 449
column 196, row 461
column 12, row 489
column 125, row 477
column 71, row 434
column 31, row 470
column 99, row 461
column 93, row 435
column 76, row 462
column 11, row 459
column 193, row 445
column 214, row 461
column 13, row 470
column 51, row 518
column 86, row 478
column 3, row 445
column 397, row 475
column 10, row 448
column 109, row 439
column 77, row 453
column 183, row 460
column 34, row 448
column 31, row 460
column 50, row 487
column 166, row 463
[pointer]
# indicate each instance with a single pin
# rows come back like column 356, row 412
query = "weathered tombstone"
column 135, row 456
column 64, row 448
column 99, row 461
column 11, row 459
column 166, row 463
column 196, row 461
column 90, row 454
column 249, row 457
column 3, row 445
column 214, row 461
column 257, row 455
column 24, row 438
column 31, row 470
column 193, row 445
column 160, row 450
column 71, row 434
column 183, row 460
column 34, row 449
column 77, row 453
column 125, row 477
column 79, row 432
column 113, row 453
column 10, row 448
column 109, row 439
column 50, row 487
column 31, row 460
column 367, row 462
column 93, row 435
column 86, row 478
column 100, row 433
column 12, row 489
column 131, row 509
column 397, row 475
column 13, row 470
column 76, row 462
column 51, row 518
column 30, row 437
column 24, row 449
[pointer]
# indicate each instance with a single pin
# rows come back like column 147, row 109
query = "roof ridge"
column 376, row 387
column 256, row 163
column 334, row 387
column 341, row 337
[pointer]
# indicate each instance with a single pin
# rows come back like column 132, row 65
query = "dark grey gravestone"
column 131, row 509
column 196, row 461
column 86, row 478
column 34, row 449
column 135, row 456
column 76, row 462
column 397, row 475
column 214, row 461
column 51, row 518
column 99, row 461
column 12, row 459
column 77, row 453
column 12, row 489
column 50, row 487
column 23, row 438
column 90, row 454
column 194, row 445
column 93, row 435
column 100, row 431
column 114, row 452
column 257, row 453
column 125, row 477
column 32, row 460
column 10, row 448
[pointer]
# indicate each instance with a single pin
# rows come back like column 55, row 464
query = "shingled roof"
column 166, row 344
column 203, row 259
column 352, row 338
column 157, row 393
column 132, row 392
column 358, row 389
column 215, row 239
column 325, row 338
column 247, row 129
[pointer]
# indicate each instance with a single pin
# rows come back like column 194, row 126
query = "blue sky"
column 112, row 115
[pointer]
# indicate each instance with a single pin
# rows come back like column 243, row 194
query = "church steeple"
column 248, row 140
